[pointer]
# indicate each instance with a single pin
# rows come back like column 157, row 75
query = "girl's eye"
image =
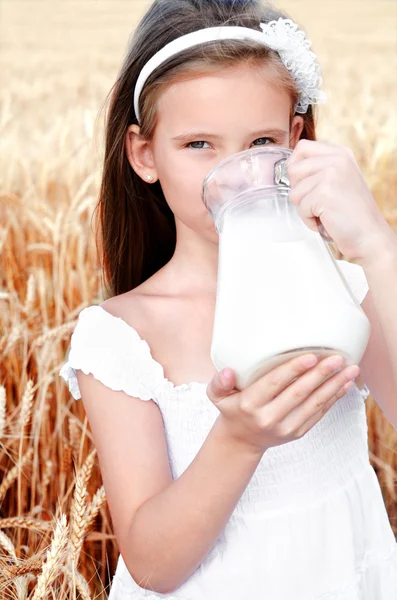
column 197, row 145
column 260, row 141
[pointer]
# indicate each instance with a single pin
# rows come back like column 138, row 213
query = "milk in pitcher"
column 280, row 291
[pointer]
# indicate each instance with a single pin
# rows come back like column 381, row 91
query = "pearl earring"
column 149, row 178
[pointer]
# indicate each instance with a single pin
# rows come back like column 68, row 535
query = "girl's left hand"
column 327, row 183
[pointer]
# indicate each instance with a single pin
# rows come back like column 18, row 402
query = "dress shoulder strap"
column 112, row 350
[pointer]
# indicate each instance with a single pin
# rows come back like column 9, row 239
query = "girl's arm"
column 164, row 527
column 327, row 184
column 381, row 367
column 175, row 530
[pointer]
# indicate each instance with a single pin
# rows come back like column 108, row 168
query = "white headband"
column 282, row 35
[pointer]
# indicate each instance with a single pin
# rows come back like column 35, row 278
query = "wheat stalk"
column 2, row 410
column 93, row 509
column 25, row 414
column 30, row 294
column 13, row 337
column 77, row 515
column 7, row 545
column 78, row 508
column 26, row 405
column 25, row 523
column 3, row 344
column 13, row 473
column 40, row 247
column 74, row 436
column 32, row 565
column 66, row 458
column 21, row 585
column 55, row 556
column 47, row 475
column 80, row 582
column 55, row 334
column 82, row 586
column 86, row 469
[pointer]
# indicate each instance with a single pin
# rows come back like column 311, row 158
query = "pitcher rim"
column 274, row 149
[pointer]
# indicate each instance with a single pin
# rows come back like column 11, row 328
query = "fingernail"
column 225, row 376
column 335, row 362
column 353, row 372
column 309, row 361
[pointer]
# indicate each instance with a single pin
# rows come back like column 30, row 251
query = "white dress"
column 311, row 524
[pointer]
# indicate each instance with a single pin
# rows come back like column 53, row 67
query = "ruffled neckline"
column 200, row 386
column 180, row 387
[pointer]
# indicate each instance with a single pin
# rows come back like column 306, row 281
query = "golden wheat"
column 74, row 436
column 26, row 405
column 78, row 509
column 13, row 473
column 79, row 582
column 7, row 545
column 49, row 467
column 2, row 410
column 25, row 522
column 54, row 558
column 33, row 565
column 49, row 267
column 93, row 509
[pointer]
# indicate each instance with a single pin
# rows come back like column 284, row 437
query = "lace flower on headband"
column 283, row 36
column 290, row 42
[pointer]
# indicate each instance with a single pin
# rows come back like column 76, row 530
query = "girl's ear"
column 296, row 130
column 139, row 154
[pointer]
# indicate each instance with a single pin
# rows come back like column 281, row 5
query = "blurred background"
column 58, row 61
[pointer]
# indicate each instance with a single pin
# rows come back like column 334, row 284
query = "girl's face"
column 201, row 121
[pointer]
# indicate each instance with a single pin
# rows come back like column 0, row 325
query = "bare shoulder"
column 136, row 306
column 176, row 324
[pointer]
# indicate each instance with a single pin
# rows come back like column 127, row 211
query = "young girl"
column 217, row 493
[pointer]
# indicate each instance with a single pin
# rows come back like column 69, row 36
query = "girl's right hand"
column 284, row 404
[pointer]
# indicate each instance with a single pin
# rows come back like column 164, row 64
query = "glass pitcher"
column 280, row 291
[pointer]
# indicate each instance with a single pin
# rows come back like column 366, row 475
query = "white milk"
column 279, row 291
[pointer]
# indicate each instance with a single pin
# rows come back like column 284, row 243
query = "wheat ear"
column 78, row 508
column 80, row 582
column 93, row 509
column 74, row 436
column 25, row 523
column 30, row 295
column 32, row 565
column 55, row 333
column 7, row 545
column 13, row 473
column 26, row 405
column 13, row 337
column 55, row 556
column 46, row 476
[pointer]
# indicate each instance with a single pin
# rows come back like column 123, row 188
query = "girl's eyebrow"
column 195, row 135
column 274, row 131
column 200, row 135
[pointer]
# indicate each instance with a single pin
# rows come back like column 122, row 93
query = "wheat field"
column 58, row 60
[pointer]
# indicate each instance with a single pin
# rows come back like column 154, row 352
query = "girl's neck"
column 193, row 268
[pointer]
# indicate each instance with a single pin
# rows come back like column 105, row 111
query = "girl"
column 216, row 493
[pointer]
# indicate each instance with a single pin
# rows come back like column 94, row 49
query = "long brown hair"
column 136, row 228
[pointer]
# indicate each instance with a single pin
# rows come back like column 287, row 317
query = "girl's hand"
column 273, row 411
column 326, row 183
